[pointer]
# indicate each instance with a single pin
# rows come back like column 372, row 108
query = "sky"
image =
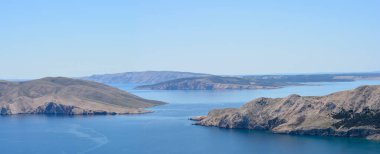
column 82, row 37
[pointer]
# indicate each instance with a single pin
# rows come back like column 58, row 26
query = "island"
column 241, row 82
column 146, row 77
column 60, row 95
column 353, row 113
column 173, row 80
column 215, row 83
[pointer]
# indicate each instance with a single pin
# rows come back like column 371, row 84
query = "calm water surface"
column 167, row 130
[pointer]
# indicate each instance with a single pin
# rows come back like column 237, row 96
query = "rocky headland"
column 59, row 95
column 353, row 113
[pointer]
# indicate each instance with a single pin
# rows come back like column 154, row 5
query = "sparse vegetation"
column 350, row 119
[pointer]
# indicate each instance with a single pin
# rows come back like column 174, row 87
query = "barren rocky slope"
column 67, row 96
column 353, row 113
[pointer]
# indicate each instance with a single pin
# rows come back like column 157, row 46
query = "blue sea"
column 168, row 130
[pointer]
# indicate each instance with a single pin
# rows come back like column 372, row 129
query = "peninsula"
column 353, row 113
column 59, row 95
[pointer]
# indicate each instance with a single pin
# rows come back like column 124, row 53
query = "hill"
column 353, row 113
column 61, row 95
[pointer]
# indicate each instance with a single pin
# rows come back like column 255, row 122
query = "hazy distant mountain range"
column 339, row 77
column 215, row 83
column 170, row 80
column 148, row 77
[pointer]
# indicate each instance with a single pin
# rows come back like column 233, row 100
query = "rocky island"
column 59, row 95
column 146, row 77
column 353, row 113
column 172, row 80
column 238, row 82
column 214, row 83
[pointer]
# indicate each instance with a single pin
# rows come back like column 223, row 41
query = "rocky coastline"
column 353, row 113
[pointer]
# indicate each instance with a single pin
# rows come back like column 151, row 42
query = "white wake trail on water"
column 89, row 134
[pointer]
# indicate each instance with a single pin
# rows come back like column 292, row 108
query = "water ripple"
column 89, row 134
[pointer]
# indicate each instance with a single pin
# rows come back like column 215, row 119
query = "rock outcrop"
column 354, row 113
column 68, row 96
column 197, row 118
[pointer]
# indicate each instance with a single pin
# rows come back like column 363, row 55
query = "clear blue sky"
column 82, row 37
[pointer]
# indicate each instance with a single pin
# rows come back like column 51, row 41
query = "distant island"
column 353, row 113
column 214, row 83
column 59, row 95
column 144, row 78
column 170, row 80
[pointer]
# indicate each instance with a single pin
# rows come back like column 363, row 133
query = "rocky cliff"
column 353, row 113
column 68, row 96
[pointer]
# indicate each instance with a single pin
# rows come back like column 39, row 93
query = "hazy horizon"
column 315, row 73
column 79, row 38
